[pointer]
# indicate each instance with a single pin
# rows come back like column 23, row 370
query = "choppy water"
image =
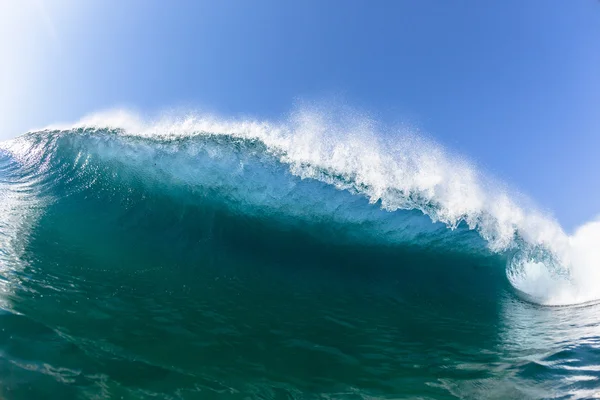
column 199, row 259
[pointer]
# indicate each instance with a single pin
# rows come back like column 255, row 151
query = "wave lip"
column 394, row 171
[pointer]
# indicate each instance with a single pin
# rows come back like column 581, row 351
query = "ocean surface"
column 313, row 258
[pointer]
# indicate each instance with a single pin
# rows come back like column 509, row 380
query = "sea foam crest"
column 402, row 170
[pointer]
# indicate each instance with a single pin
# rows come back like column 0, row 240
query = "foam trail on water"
column 402, row 171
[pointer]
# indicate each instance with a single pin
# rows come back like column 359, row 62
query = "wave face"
column 99, row 209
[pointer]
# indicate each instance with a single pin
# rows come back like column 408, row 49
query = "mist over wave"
column 320, row 168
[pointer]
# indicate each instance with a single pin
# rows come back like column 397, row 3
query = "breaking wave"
column 339, row 179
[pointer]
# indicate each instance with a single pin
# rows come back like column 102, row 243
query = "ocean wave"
column 342, row 179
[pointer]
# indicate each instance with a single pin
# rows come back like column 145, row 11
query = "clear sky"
column 514, row 85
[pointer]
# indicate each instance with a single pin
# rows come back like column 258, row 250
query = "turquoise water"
column 210, row 265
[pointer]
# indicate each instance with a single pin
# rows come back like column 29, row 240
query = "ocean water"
column 314, row 258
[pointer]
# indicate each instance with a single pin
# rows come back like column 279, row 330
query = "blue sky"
column 513, row 85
